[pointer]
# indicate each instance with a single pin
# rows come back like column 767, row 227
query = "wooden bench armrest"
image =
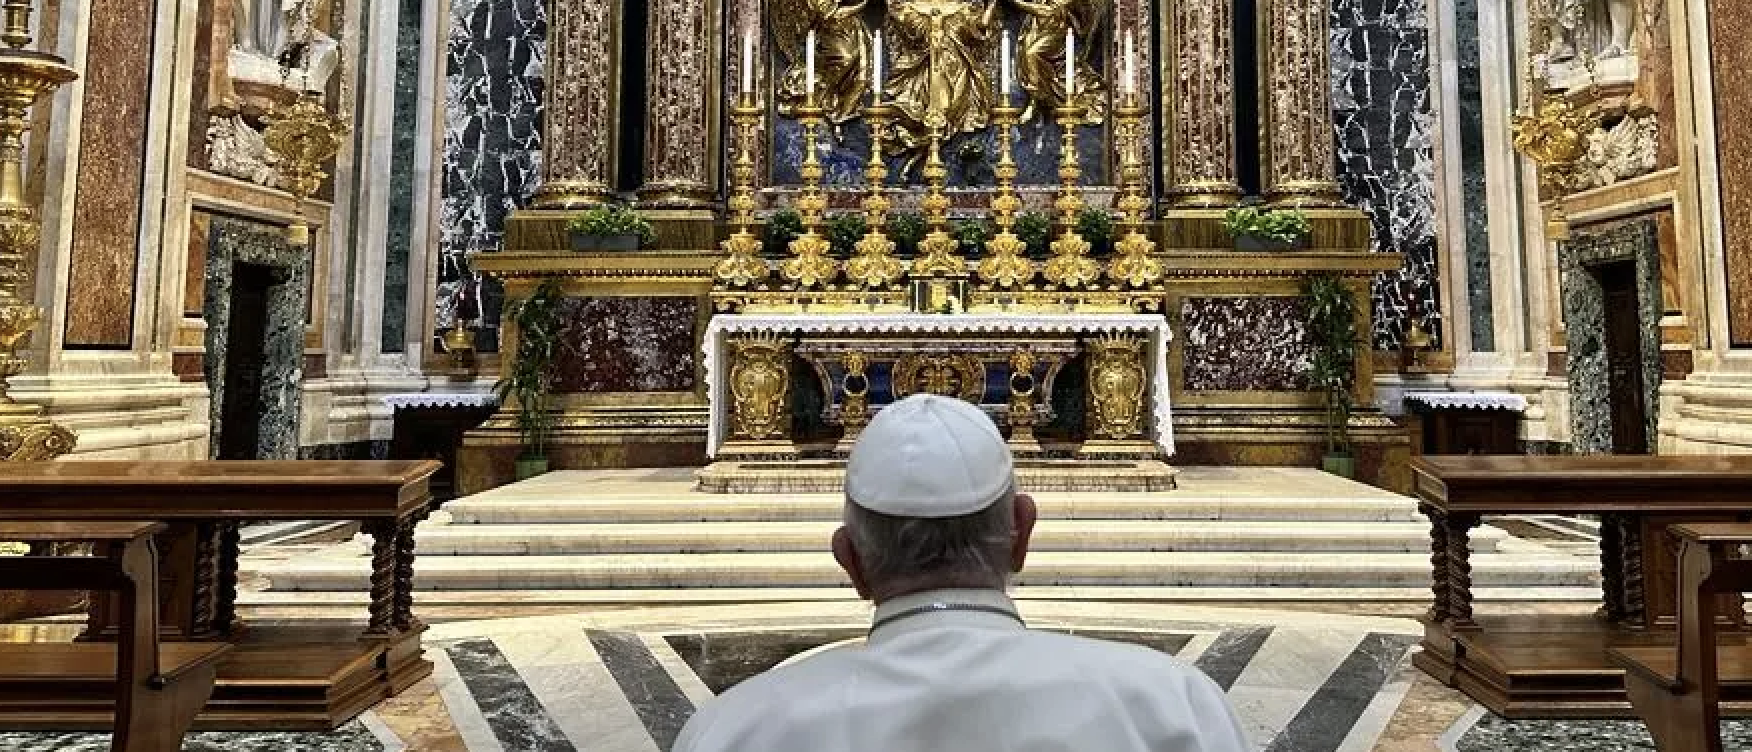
column 1714, row 533
column 1656, row 664
column 33, row 532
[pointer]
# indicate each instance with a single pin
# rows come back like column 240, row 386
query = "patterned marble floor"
column 628, row 681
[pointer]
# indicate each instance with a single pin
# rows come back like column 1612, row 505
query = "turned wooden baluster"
column 1460, row 570
column 404, row 573
column 1438, row 613
column 225, row 603
column 1612, row 568
column 384, row 544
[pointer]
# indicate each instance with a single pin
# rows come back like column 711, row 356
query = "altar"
column 786, row 386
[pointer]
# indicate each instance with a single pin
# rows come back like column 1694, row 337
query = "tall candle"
column 1004, row 71
column 1131, row 65
column 876, row 65
column 809, row 65
column 747, row 62
column 1070, row 68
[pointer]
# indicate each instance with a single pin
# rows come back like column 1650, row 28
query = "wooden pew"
column 158, row 687
column 1678, row 689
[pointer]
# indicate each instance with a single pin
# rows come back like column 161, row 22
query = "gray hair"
column 972, row 549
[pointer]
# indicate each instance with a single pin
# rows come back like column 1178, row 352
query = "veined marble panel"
column 492, row 137
column 398, row 244
column 1584, row 309
column 1730, row 24
column 112, row 162
column 234, row 241
column 1246, row 344
column 623, row 344
column 1386, row 165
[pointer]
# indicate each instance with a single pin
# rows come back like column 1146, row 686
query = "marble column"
column 1299, row 165
column 1197, row 101
column 583, row 84
column 682, row 129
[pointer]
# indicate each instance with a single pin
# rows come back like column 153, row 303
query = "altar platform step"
column 1050, row 535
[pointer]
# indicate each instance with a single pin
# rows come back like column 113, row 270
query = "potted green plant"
column 528, row 377
column 1255, row 229
column 781, row 228
column 1096, row 227
column 610, row 228
column 1035, row 230
column 844, row 232
column 906, row 230
column 973, row 234
column 1332, row 325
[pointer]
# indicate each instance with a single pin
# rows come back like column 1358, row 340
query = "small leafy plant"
column 614, row 220
column 906, row 230
column 1281, row 225
column 1096, row 227
column 781, row 228
column 973, row 234
column 844, row 232
column 1035, row 229
column 529, row 377
column 1332, row 324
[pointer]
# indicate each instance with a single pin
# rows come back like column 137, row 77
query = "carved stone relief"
column 1592, row 41
column 236, row 149
column 1621, row 152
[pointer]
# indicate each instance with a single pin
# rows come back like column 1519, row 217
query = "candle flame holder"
column 1070, row 267
column 810, row 266
column 743, row 267
column 1005, row 266
column 875, row 267
column 1133, row 265
column 938, row 251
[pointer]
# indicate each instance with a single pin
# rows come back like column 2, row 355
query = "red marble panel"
column 112, row 161
column 625, row 344
column 1730, row 24
column 1246, row 344
column 1655, row 82
column 199, row 85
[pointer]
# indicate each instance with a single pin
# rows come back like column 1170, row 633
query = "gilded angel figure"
column 940, row 62
column 1041, row 54
column 842, row 51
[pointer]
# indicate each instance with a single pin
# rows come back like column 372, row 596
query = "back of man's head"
column 931, row 501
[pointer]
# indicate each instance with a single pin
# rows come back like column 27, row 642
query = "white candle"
column 747, row 62
column 1070, row 68
column 876, row 64
column 1131, row 65
column 809, row 65
column 1004, row 71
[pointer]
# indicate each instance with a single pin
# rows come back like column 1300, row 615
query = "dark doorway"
column 1624, row 359
column 245, row 353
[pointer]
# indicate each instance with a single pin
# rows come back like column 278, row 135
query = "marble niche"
column 1584, row 314
column 234, row 242
column 265, row 61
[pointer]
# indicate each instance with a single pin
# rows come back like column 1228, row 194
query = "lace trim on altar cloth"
column 1468, row 401
column 1153, row 326
column 431, row 399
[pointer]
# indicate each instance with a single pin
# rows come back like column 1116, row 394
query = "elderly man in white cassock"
column 933, row 529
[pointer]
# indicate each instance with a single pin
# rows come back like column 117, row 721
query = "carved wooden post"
column 1300, row 164
column 1196, row 108
column 583, row 87
column 683, row 98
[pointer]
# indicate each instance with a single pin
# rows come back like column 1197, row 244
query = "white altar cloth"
column 1469, row 400
column 723, row 327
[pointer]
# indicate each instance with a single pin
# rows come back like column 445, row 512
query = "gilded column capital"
column 1300, row 159
column 582, row 84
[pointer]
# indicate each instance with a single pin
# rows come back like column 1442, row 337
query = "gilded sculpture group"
column 935, row 85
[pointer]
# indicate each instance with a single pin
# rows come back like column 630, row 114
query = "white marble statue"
column 267, row 32
column 1592, row 41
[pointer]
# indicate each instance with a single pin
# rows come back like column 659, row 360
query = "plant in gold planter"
column 611, row 228
column 529, row 376
column 1332, row 324
column 1261, row 230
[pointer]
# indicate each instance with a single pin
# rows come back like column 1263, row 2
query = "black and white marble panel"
column 492, row 139
column 1385, row 131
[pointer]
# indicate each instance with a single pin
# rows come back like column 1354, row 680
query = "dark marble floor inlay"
column 1229, row 655
column 1328, row 717
column 352, row 737
column 1494, row 734
column 512, row 710
column 653, row 693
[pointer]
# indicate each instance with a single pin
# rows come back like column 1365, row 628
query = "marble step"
column 1060, row 568
column 532, row 509
column 1050, row 535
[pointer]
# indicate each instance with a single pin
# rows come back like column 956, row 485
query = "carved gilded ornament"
column 855, row 409
column 1555, row 136
column 1117, row 385
column 957, row 375
column 743, row 266
column 875, row 267
column 760, row 382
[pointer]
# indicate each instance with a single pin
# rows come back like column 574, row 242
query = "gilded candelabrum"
column 743, row 266
column 938, row 255
column 1070, row 267
column 874, row 266
column 305, row 135
column 25, row 77
column 810, row 266
column 1554, row 134
column 1006, row 266
column 1133, row 265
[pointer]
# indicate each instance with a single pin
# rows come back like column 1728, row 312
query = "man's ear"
column 847, row 555
column 1026, row 514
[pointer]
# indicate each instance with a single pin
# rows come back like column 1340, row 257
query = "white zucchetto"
column 928, row 456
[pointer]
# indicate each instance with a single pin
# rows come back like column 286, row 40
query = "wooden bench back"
column 126, row 562
column 1707, row 568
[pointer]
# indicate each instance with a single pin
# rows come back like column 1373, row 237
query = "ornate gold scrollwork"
column 1117, row 385
column 855, row 384
column 1023, row 386
column 760, row 383
column 946, row 374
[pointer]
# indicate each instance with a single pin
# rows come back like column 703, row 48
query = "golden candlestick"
column 938, row 251
column 1133, row 265
column 743, row 266
column 810, row 266
column 25, row 77
column 1070, row 267
column 875, row 266
column 1005, row 266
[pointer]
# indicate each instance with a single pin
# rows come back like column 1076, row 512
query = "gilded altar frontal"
column 479, row 375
